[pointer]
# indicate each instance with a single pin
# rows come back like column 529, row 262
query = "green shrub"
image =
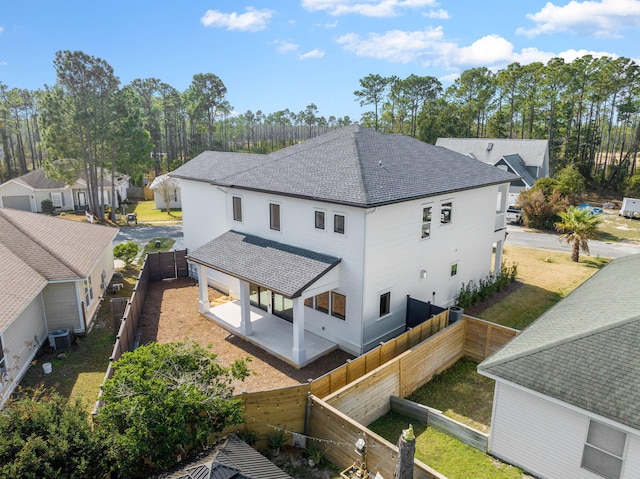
column 276, row 439
column 47, row 206
column 472, row 293
column 126, row 252
column 44, row 435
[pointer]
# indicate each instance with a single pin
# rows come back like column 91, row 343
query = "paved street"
column 142, row 234
column 520, row 236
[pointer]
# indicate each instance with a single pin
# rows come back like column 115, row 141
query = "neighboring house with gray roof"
column 54, row 274
column 333, row 233
column 232, row 458
column 567, row 394
column 166, row 189
column 528, row 159
column 27, row 192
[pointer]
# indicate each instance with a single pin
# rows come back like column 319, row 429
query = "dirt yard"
column 171, row 314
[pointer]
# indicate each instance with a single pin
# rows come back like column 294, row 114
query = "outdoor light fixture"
column 360, row 446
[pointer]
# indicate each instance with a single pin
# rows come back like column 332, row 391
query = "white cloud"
column 437, row 14
column 252, row 20
column 367, row 8
column 570, row 55
column 1, row 29
column 3, row 63
column 315, row 53
column 430, row 48
column 285, row 47
column 601, row 19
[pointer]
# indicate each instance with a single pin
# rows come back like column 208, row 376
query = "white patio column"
column 203, row 287
column 497, row 265
column 245, row 309
column 298, row 352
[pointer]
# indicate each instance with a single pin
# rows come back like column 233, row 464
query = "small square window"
column 385, row 303
column 309, row 302
column 338, row 305
column 274, row 216
column 426, row 222
column 445, row 213
column 320, row 220
column 338, row 223
column 322, row 302
column 454, row 269
column 237, row 208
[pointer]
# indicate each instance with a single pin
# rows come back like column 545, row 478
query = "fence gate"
column 167, row 265
column 419, row 311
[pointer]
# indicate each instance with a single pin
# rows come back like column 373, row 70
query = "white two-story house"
column 334, row 233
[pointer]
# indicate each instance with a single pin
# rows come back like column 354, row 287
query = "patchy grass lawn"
column 618, row 228
column 80, row 372
column 461, row 394
column 165, row 245
column 443, row 453
column 544, row 278
column 147, row 213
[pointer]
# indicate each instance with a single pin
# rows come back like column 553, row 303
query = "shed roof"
column 35, row 249
column 584, row 350
column 232, row 458
column 282, row 268
column 352, row 165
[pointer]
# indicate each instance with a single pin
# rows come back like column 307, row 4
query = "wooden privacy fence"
column 483, row 338
column 352, row 370
column 434, row 418
column 339, row 433
column 156, row 266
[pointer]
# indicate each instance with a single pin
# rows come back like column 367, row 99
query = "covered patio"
column 272, row 281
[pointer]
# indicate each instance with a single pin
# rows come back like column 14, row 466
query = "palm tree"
column 577, row 227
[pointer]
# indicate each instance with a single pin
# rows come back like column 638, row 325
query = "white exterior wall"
column 68, row 202
column 21, row 341
column 396, row 254
column 159, row 200
column 105, row 263
column 11, row 188
column 203, row 214
column 546, row 438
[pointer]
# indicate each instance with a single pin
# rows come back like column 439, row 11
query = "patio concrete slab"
column 271, row 333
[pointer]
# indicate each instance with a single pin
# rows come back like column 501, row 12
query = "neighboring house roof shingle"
column 516, row 163
column 38, row 180
column 533, row 152
column 285, row 269
column 44, row 248
column 232, row 458
column 352, row 165
column 584, row 350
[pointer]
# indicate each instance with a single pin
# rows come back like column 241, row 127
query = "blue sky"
column 273, row 55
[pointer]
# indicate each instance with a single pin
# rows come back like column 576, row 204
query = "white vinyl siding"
column 61, row 305
column 546, row 438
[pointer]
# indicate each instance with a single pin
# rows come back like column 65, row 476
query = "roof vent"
column 489, row 146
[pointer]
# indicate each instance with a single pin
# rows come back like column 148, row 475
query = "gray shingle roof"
column 533, row 152
column 584, row 350
column 352, row 165
column 232, row 458
column 37, row 180
column 36, row 248
column 285, row 269
column 517, row 165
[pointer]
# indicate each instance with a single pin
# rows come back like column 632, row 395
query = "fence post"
column 406, row 451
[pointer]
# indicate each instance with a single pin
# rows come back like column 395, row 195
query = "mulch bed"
column 171, row 314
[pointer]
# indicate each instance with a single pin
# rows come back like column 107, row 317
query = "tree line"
column 89, row 123
column 587, row 109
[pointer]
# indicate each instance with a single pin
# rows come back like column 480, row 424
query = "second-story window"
column 237, row 208
column 426, row 222
column 338, row 223
column 320, row 220
column 445, row 213
column 274, row 216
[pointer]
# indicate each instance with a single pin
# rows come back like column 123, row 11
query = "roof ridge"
column 565, row 340
column 46, row 249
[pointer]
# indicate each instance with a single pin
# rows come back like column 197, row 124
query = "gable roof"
column 164, row 180
column 232, row 458
column 352, row 166
column 534, row 153
column 517, row 165
column 36, row 249
column 37, row 180
column 584, row 350
column 282, row 268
